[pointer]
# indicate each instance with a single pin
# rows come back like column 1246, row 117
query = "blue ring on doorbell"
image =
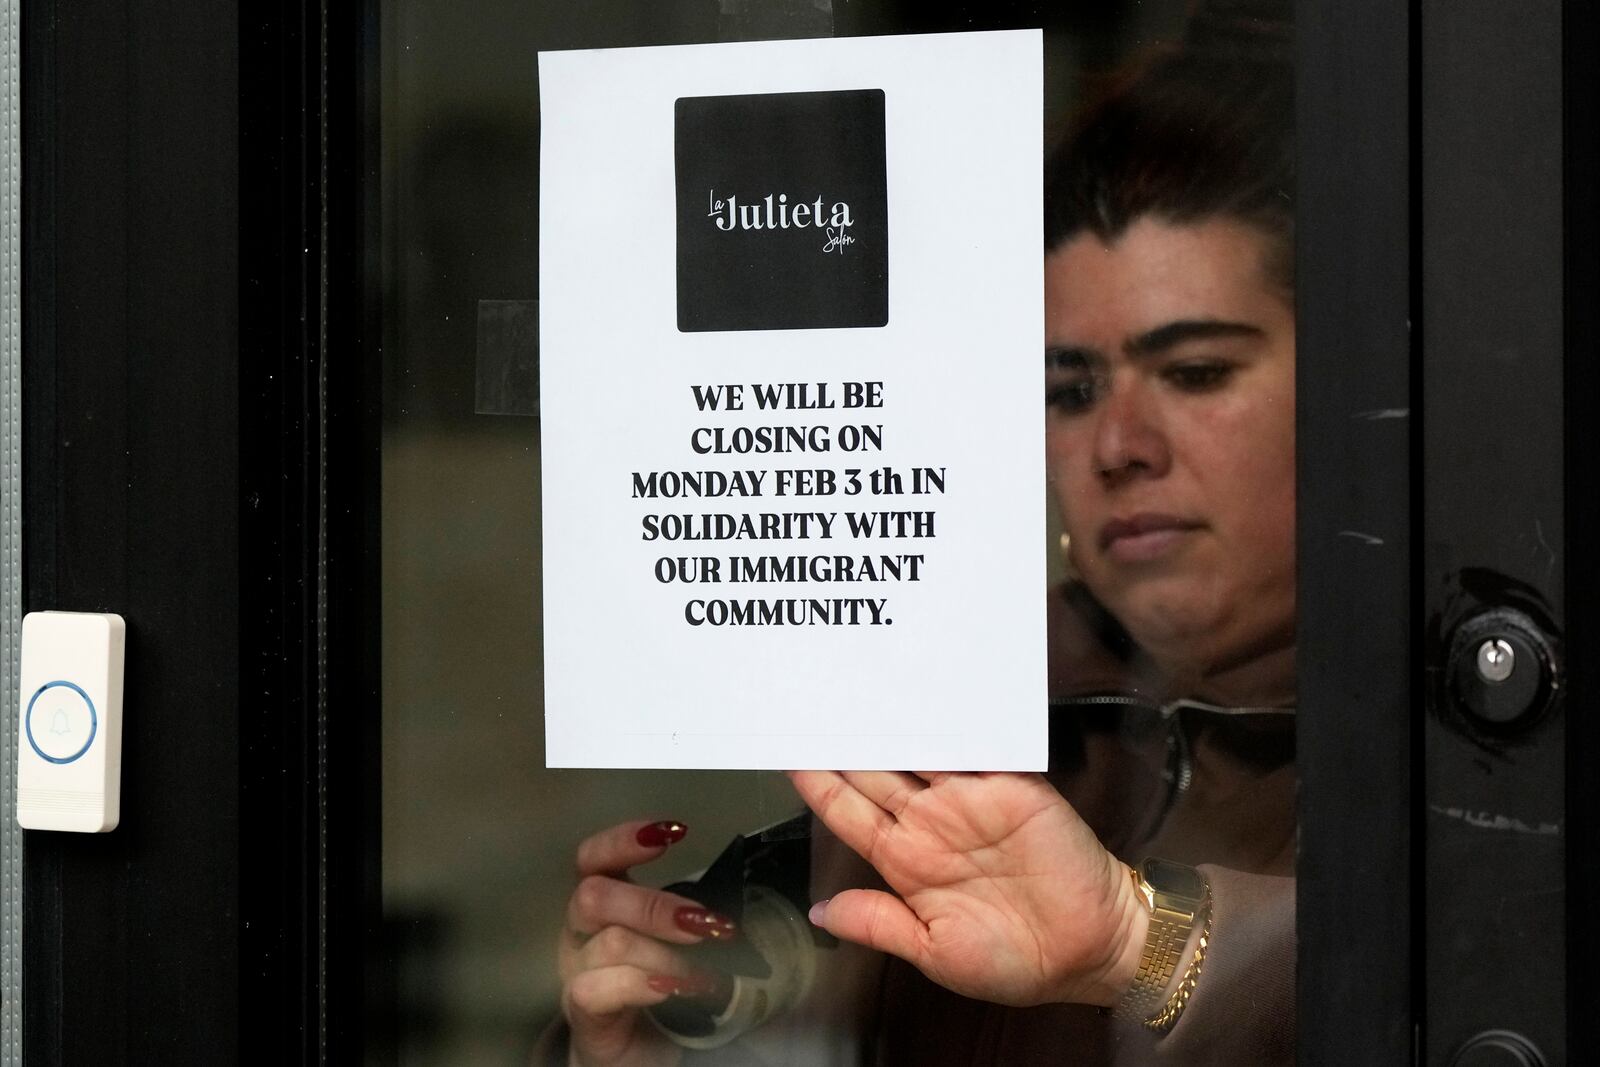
column 59, row 720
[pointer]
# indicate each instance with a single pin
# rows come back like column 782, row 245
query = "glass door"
column 494, row 912
column 1313, row 280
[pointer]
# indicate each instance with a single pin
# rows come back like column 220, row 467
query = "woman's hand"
column 614, row 952
column 1005, row 894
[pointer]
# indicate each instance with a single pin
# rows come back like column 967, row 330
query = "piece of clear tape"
column 508, row 358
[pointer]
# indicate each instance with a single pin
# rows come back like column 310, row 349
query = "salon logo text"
column 777, row 213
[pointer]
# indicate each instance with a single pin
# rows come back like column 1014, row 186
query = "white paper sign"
column 791, row 325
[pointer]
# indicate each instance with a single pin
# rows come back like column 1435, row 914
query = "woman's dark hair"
column 1201, row 132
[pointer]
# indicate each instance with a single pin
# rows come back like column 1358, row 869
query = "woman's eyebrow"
column 1172, row 334
column 1070, row 357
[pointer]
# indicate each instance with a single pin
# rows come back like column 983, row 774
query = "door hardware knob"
column 1503, row 670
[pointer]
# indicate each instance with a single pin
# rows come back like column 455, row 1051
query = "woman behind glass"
column 1000, row 906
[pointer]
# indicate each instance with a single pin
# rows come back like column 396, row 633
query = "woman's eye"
column 1198, row 377
column 1069, row 396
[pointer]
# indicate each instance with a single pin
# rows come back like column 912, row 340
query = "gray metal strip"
column 10, row 527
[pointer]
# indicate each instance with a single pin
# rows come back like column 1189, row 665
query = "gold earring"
column 1068, row 566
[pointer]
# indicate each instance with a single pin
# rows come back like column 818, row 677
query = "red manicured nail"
column 692, row 985
column 697, row 985
column 657, row 834
column 705, row 923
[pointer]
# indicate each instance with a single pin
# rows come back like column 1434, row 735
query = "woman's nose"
column 1128, row 439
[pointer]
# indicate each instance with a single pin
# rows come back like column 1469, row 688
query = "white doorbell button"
column 69, row 751
column 61, row 722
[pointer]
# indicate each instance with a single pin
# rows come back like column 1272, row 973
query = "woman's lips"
column 1144, row 537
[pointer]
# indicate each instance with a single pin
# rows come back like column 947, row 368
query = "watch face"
column 1174, row 879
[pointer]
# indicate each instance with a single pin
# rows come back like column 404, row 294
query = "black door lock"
column 1504, row 672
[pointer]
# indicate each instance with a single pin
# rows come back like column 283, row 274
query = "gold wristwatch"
column 1178, row 898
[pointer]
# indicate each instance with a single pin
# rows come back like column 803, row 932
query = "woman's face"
column 1169, row 370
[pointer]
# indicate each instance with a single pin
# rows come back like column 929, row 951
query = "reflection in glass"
column 1170, row 415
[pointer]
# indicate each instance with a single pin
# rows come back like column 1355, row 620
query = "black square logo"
column 782, row 211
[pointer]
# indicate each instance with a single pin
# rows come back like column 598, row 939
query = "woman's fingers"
column 602, row 1005
column 602, row 1008
column 615, row 850
column 594, row 995
column 599, row 902
column 617, row 945
column 875, row 919
column 890, row 790
column 843, row 808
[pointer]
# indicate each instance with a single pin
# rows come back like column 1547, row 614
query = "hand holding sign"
column 1005, row 894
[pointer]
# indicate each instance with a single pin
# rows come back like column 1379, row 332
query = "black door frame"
column 131, row 489
column 201, row 456
column 1356, row 731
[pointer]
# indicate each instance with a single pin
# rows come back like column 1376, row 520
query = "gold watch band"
column 1167, row 1017
column 1178, row 897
